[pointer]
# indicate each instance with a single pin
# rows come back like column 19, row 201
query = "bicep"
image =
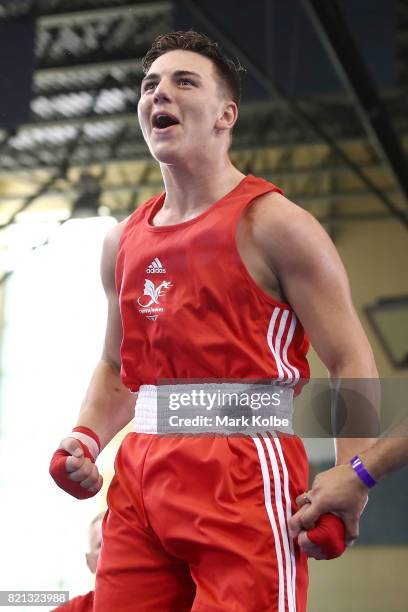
column 113, row 333
column 316, row 285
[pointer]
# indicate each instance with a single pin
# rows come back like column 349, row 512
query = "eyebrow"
column 178, row 73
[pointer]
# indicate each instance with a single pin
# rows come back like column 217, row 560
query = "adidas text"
column 156, row 267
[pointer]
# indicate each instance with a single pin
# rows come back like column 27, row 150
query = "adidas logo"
column 156, row 267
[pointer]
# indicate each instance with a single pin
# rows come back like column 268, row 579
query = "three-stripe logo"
column 156, row 267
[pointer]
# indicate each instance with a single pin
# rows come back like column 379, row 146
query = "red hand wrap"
column 94, row 444
column 329, row 535
column 61, row 476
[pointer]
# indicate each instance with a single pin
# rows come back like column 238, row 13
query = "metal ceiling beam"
column 102, row 14
column 61, row 172
column 91, row 60
column 339, row 44
column 292, row 106
column 44, row 73
column 51, row 73
column 117, row 78
column 79, row 121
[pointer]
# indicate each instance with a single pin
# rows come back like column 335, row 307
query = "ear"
column 229, row 116
column 88, row 561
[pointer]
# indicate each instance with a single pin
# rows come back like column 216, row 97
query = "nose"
column 162, row 91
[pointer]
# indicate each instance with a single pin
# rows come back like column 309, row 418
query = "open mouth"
column 161, row 121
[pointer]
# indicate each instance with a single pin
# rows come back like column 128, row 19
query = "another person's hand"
column 338, row 491
column 73, row 464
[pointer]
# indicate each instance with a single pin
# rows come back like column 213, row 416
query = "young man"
column 217, row 278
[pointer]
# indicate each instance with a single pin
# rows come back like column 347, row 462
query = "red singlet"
column 201, row 523
column 190, row 309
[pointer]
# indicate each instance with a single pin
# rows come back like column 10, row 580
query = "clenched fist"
column 73, row 464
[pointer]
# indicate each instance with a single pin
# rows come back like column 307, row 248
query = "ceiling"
column 81, row 137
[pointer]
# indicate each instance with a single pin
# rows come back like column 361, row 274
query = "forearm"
column 108, row 405
column 358, row 397
column 388, row 454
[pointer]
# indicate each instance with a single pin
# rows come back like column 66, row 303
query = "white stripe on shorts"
column 288, row 512
column 271, row 516
column 282, row 522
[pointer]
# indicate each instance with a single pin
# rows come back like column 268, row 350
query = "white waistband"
column 153, row 405
column 145, row 420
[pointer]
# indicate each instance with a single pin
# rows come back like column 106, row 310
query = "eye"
column 185, row 81
column 148, row 86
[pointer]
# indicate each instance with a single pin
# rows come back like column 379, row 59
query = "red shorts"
column 200, row 523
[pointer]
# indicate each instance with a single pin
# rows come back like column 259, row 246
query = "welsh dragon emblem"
column 153, row 292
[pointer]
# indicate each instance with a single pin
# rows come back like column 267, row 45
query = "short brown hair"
column 226, row 69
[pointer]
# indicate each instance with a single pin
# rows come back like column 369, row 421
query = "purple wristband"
column 359, row 468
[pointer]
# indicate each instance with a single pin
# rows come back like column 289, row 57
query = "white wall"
column 54, row 319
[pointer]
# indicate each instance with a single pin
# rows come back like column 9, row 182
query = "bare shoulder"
column 286, row 232
column 275, row 213
column 109, row 253
column 113, row 235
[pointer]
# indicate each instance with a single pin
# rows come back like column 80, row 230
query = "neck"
column 190, row 189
